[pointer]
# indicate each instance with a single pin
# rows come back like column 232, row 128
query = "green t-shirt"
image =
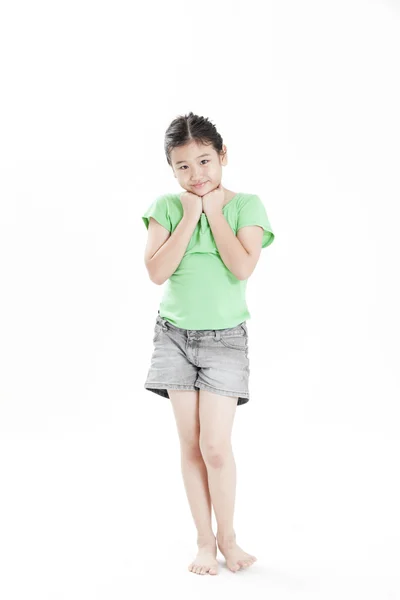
column 203, row 293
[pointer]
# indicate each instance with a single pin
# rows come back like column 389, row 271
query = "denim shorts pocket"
column 157, row 330
column 237, row 341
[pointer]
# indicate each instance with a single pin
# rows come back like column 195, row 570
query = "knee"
column 214, row 454
column 190, row 449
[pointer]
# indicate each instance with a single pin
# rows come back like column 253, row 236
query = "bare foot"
column 206, row 560
column 235, row 557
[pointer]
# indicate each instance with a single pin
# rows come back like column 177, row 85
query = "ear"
column 224, row 159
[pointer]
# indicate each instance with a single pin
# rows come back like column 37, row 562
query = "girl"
column 205, row 243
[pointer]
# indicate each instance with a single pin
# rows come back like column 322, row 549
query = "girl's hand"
column 214, row 201
column 191, row 205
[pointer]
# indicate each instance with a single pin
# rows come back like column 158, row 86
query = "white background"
column 306, row 96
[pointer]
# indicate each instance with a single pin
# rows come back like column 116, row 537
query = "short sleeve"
column 252, row 212
column 158, row 209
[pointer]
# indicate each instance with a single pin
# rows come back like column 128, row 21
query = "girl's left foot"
column 235, row 557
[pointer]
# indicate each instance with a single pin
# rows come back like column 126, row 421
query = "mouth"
column 199, row 185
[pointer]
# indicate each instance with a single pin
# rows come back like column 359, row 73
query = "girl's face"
column 197, row 163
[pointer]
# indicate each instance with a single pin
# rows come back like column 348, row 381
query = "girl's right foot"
column 206, row 559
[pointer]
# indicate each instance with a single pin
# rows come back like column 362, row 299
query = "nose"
column 196, row 176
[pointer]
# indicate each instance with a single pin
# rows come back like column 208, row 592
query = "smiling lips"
column 199, row 184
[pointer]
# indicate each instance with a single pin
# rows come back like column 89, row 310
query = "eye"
column 204, row 159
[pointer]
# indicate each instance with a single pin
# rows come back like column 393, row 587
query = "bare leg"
column 185, row 405
column 216, row 420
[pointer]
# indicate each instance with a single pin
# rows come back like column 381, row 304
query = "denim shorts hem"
column 161, row 390
column 239, row 395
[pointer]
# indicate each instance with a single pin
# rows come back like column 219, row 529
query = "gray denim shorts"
column 209, row 359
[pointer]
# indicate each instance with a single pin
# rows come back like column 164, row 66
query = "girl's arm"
column 163, row 262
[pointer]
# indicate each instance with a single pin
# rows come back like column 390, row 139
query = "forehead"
column 191, row 151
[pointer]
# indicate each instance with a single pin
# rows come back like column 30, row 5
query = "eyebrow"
column 182, row 161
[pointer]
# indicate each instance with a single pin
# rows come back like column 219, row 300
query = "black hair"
column 186, row 128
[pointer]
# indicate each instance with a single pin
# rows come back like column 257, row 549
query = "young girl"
column 205, row 243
